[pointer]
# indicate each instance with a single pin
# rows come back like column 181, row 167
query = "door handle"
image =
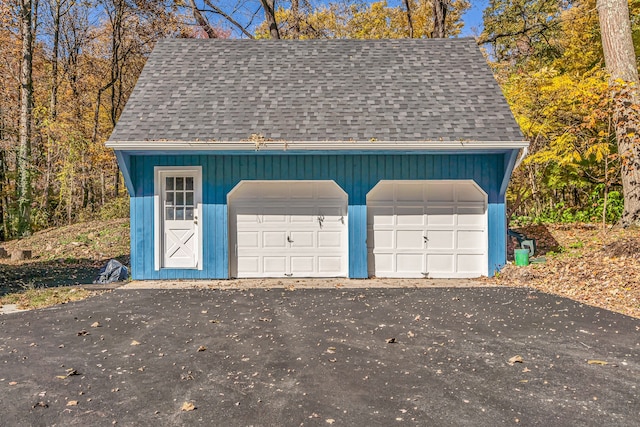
column 289, row 239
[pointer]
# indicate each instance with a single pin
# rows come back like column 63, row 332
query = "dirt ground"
column 584, row 263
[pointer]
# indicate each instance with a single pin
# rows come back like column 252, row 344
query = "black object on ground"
column 112, row 272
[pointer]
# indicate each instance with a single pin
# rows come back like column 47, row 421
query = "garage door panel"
column 288, row 229
column 273, row 216
column 248, row 239
column 440, row 263
column 274, row 239
column 471, row 216
column 470, row 239
column 329, row 264
column 302, row 239
column 410, row 263
column 440, row 239
column 453, row 219
column 380, row 216
column 470, row 263
column 274, row 265
column 249, row 264
column 383, row 239
column 247, row 217
column 329, row 239
column 440, row 216
column 409, row 215
column 383, row 263
column 302, row 265
column 302, row 214
column 409, row 239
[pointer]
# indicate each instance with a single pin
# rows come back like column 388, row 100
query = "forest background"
column 86, row 56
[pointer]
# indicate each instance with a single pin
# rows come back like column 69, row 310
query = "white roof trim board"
column 271, row 146
column 404, row 94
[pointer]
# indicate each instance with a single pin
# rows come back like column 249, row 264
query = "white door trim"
column 158, row 216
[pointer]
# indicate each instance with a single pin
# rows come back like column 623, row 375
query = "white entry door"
column 434, row 229
column 180, row 195
column 288, row 229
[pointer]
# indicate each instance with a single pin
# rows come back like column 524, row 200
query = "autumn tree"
column 26, row 107
column 620, row 60
column 547, row 56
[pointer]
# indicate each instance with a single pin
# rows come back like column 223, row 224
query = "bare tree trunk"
column 440, row 9
column 228, row 17
column 407, row 6
column 202, row 21
column 270, row 17
column 3, row 175
column 53, row 102
column 620, row 60
column 26, row 107
column 295, row 14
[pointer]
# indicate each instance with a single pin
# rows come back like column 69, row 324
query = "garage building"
column 317, row 158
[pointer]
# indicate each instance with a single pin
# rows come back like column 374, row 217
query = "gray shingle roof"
column 317, row 90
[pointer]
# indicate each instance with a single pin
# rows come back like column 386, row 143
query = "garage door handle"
column 426, row 239
column 289, row 239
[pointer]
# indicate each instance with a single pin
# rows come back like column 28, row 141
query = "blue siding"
column 357, row 174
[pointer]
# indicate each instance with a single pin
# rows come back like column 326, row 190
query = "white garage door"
column 435, row 229
column 288, row 229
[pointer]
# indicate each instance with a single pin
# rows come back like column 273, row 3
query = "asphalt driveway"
column 356, row 357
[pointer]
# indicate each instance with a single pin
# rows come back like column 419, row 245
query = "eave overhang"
column 321, row 146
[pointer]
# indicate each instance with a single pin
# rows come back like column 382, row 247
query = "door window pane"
column 169, row 198
column 179, row 183
column 169, row 214
column 188, row 213
column 179, row 214
column 169, row 183
column 189, row 183
column 179, row 199
column 189, row 198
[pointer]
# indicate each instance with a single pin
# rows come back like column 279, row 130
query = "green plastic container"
column 521, row 257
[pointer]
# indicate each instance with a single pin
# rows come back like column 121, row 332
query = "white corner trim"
column 271, row 146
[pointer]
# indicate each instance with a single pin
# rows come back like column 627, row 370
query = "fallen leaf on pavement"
column 202, row 348
column 72, row 403
column 134, row 342
column 516, row 359
column 187, row 406
column 82, row 333
column 13, row 383
column 391, row 341
column 95, row 325
column 597, row 362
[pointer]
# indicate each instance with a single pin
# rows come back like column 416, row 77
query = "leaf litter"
column 583, row 263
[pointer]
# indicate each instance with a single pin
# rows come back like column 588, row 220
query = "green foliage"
column 591, row 212
column 547, row 56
